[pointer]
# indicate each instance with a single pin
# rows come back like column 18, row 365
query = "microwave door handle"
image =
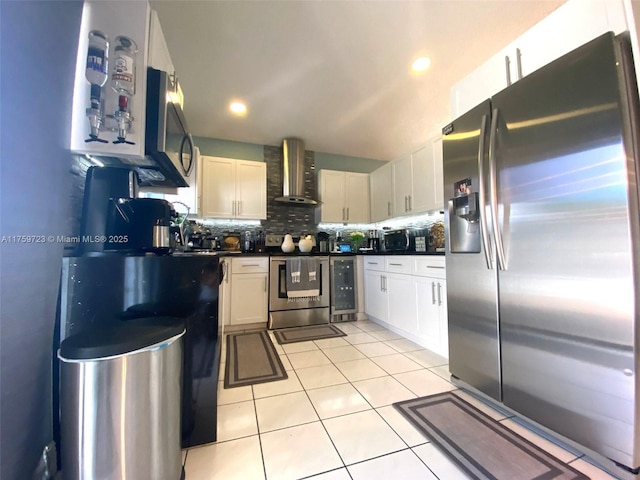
column 189, row 167
column 493, row 180
column 482, row 195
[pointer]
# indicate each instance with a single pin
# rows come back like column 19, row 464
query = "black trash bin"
column 120, row 402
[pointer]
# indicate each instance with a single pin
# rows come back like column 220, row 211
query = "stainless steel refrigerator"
column 543, row 246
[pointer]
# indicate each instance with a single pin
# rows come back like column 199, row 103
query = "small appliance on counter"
column 399, row 240
column 421, row 237
column 323, row 241
column 115, row 221
column 231, row 241
column 373, row 243
column 248, row 243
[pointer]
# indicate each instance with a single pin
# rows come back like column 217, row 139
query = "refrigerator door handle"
column 493, row 180
column 482, row 195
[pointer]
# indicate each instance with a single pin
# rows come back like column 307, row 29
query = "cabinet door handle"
column 389, row 208
column 381, row 283
column 239, row 207
column 439, row 294
column 343, row 217
column 519, row 63
column 347, row 213
column 265, row 284
column 433, row 293
column 405, row 203
column 410, row 202
column 233, row 208
column 385, row 283
column 507, row 65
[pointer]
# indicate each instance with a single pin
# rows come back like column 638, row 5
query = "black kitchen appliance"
column 374, row 241
column 111, row 290
column 114, row 221
column 399, row 241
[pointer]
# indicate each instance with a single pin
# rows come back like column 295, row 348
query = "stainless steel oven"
column 284, row 312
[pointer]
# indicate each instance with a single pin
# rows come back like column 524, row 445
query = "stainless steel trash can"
column 120, row 402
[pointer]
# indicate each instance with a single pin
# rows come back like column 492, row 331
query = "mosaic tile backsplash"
column 301, row 220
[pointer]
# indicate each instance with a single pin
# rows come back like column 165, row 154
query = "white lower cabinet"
column 431, row 313
column 375, row 297
column 249, row 290
column 401, row 302
column 430, row 289
column 408, row 294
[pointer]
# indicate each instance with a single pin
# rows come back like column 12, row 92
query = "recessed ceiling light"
column 420, row 64
column 238, row 108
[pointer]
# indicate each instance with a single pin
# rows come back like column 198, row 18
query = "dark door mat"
column 251, row 359
column 304, row 334
column 482, row 447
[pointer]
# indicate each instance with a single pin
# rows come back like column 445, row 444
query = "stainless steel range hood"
column 293, row 173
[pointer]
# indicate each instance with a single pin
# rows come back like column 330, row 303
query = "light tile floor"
column 332, row 419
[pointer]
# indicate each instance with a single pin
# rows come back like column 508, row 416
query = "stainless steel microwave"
column 399, row 241
column 167, row 139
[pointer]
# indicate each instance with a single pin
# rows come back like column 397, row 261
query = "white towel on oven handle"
column 300, row 284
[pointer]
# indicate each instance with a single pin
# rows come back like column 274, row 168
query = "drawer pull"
column 250, row 265
column 372, row 263
column 396, row 264
column 431, row 266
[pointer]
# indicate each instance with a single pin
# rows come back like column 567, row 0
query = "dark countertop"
column 310, row 254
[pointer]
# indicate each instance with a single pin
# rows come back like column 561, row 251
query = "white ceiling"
column 334, row 73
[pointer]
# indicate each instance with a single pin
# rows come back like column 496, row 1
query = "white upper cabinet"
column 233, row 188
column 381, row 183
column 437, row 195
column 402, row 185
column 489, row 78
column 417, row 180
column 568, row 27
column 159, row 57
column 113, row 19
column 251, row 190
column 344, row 197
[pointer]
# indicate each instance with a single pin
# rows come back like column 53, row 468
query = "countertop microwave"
column 399, row 241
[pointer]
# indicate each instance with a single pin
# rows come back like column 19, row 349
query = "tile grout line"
column 577, row 456
column 255, row 411
column 350, row 383
column 304, row 389
column 408, row 447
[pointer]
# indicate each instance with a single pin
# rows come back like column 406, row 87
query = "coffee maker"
column 374, row 241
column 114, row 220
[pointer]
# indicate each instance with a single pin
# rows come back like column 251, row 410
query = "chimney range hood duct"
column 293, row 173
